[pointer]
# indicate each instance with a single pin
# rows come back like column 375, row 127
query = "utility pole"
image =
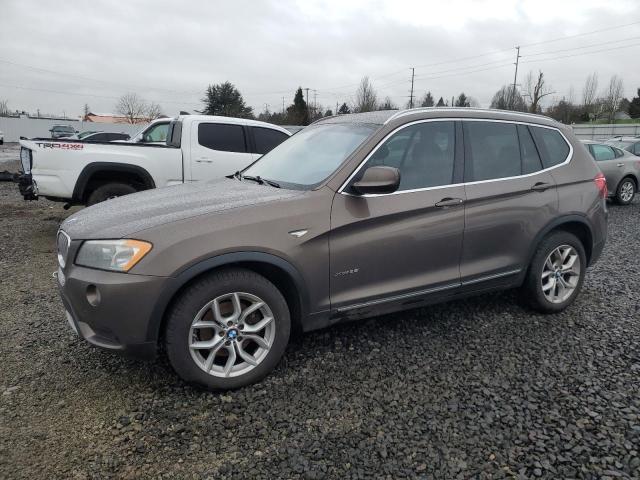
column 307, row 101
column 336, row 108
column 453, row 100
column 282, row 105
column 515, row 78
column 413, row 71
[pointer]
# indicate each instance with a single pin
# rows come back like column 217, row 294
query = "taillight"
column 601, row 183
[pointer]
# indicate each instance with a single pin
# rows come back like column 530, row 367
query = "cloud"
column 92, row 52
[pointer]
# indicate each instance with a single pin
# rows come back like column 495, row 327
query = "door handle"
column 449, row 202
column 541, row 187
column 204, row 160
column 621, row 164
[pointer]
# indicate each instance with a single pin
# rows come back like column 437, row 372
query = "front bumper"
column 27, row 186
column 112, row 310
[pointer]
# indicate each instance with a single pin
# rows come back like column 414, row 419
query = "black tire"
column 109, row 190
column 531, row 291
column 197, row 295
column 627, row 181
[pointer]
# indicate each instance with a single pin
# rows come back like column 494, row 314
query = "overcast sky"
column 57, row 56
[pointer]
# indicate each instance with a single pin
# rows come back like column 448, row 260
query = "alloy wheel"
column 627, row 191
column 561, row 274
column 232, row 334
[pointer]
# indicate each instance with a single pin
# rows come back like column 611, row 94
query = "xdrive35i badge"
column 346, row 272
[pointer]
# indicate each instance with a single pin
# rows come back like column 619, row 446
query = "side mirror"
column 378, row 180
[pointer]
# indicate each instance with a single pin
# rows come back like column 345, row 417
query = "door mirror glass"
column 378, row 180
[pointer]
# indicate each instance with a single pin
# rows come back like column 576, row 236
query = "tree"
column 505, row 99
column 131, row 107
column 87, row 111
column 4, row 108
column 589, row 95
column 462, row 101
column 153, row 111
column 634, row 106
column 536, row 90
column 440, row 103
column 427, row 100
column 328, row 113
column 225, row 100
column 388, row 104
column 298, row 112
column 366, row 97
column 344, row 109
column 612, row 97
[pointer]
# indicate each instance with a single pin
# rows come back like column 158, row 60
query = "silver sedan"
column 621, row 169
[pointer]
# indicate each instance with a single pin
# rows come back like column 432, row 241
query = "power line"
column 566, row 37
column 582, row 47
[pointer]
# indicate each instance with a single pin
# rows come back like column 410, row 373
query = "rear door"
column 510, row 198
column 218, row 149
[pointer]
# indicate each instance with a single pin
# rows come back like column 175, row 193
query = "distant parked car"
column 81, row 135
column 105, row 137
column 630, row 144
column 621, row 169
column 62, row 131
column 1, row 138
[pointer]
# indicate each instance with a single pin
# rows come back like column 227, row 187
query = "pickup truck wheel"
column 227, row 330
column 109, row 190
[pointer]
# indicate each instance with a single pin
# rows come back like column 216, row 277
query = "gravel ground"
column 474, row 389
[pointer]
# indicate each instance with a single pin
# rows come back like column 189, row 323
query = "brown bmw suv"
column 354, row 216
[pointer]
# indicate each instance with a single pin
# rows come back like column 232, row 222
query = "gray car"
column 62, row 131
column 629, row 144
column 354, row 216
column 621, row 168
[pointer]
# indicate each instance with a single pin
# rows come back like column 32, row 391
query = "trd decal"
column 62, row 146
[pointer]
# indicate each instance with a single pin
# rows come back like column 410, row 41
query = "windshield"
column 311, row 155
column 63, row 128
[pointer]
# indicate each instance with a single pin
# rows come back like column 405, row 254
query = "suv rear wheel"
column 626, row 191
column 109, row 190
column 556, row 273
column 227, row 330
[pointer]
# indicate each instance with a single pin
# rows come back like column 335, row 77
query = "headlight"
column 115, row 255
column 25, row 159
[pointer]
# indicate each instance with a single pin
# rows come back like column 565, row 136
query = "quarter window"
column 493, row 150
column 157, row 133
column 552, row 145
column 267, row 139
column 602, row 153
column 222, row 137
column 424, row 153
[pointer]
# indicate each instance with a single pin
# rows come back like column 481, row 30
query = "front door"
column 218, row 150
column 400, row 247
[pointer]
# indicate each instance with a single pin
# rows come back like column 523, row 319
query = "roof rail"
column 409, row 111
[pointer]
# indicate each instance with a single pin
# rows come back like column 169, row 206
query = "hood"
column 123, row 216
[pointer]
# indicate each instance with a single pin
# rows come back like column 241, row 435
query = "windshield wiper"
column 258, row 179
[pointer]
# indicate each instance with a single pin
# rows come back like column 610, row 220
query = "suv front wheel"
column 556, row 273
column 227, row 330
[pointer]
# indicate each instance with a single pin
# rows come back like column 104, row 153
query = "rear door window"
column 492, row 150
column 266, row 139
column 602, row 152
column 551, row 144
column 531, row 161
column 222, row 137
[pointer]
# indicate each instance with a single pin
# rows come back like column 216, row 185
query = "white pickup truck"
column 191, row 148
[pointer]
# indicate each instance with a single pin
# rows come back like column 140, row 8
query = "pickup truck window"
column 222, row 137
column 157, row 133
column 267, row 139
